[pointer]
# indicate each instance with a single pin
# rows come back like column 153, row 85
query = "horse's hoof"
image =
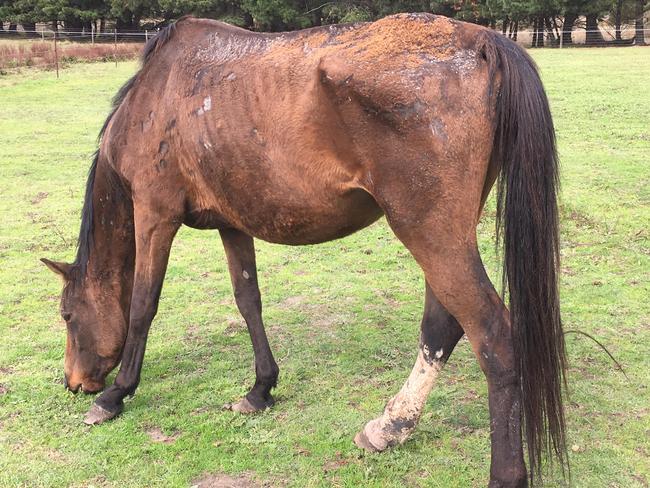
column 97, row 415
column 517, row 483
column 245, row 406
column 363, row 439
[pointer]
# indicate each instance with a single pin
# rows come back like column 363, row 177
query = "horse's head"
column 96, row 327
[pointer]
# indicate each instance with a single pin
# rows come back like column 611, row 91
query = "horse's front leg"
column 240, row 251
column 154, row 236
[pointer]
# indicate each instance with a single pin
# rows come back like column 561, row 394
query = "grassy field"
column 343, row 317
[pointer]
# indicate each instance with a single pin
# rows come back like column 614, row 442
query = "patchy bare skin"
column 403, row 411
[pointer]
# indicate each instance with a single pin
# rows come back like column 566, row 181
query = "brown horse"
column 305, row 137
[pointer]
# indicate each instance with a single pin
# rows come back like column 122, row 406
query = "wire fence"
column 50, row 49
column 91, row 36
column 603, row 36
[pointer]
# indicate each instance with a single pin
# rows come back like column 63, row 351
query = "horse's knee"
column 267, row 375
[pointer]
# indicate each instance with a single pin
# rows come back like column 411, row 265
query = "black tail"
column 527, row 219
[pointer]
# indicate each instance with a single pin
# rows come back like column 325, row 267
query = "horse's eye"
column 66, row 316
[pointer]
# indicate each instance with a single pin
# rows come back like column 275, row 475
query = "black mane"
column 85, row 240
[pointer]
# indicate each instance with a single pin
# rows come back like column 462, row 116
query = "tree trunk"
column 13, row 27
column 639, row 38
column 556, row 29
column 72, row 24
column 618, row 14
column 317, row 17
column 538, row 32
column 567, row 27
column 249, row 23
column 534, row 40
column 504, row 28
column 515, row 30
column 594, row 37
column 29, row 28
column 129, row 22
column 549, row 29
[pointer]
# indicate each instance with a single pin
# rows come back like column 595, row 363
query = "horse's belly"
column 311, row 223
column 291, row 218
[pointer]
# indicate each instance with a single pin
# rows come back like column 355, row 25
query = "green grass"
column 342, row 317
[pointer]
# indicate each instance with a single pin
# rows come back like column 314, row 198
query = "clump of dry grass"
column 14, row 54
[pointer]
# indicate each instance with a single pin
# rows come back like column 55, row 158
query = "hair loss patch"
column 398, row 42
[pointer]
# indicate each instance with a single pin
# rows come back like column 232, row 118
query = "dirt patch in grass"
column 235, row 326
column 197, row 334
column 225, row 481
column 98, row 481
column 334, row 464
column 579, row 218
column 157, row 435
column 292, row 302
column 41, row 195
column 319, row 316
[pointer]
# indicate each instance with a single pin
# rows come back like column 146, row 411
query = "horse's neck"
column 112, row 252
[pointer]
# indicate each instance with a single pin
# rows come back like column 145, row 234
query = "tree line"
column 551, row 21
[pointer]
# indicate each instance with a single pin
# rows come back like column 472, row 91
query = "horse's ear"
column 62, row 269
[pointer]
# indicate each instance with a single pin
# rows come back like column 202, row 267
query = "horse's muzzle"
column 89, row 387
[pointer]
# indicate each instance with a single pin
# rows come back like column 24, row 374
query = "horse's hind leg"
column 439, row 334
column 240, row 252
column 453, row 268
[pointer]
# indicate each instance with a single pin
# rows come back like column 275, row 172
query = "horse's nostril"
column 69, row 387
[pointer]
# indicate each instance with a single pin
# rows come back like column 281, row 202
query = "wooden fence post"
column 56, row 54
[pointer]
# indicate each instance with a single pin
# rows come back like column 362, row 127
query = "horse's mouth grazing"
column 89, row 387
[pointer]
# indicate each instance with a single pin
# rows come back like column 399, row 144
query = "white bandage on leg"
column 403, row 411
